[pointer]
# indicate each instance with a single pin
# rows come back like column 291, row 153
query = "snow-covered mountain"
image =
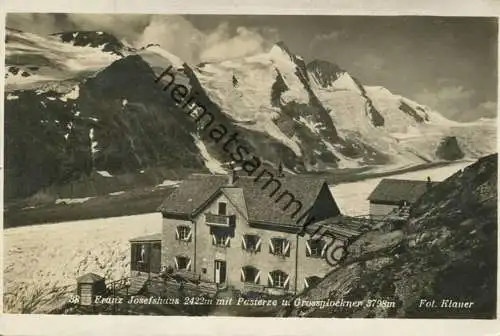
column 82, row 102
column 356, row 124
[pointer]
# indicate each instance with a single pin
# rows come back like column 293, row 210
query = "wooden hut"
column 88, row 286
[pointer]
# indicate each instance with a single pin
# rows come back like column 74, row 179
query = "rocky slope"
column 78, row 103
column 447, row 250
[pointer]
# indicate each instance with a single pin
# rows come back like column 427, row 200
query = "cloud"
column 41, row 23
column 321, row 39
column 451, row 101
column 124, row 26
column 332, row 36
column 245, row 42
column 369, row 62
column 173, row 32
column 456, row 102
column 488, row 109
column 182, row 38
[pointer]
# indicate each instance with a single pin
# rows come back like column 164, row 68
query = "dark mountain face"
column 103, row 40
column 120, row 122
column 408, row 110
column 447, row 250
column 449, row 149
column 326, row 72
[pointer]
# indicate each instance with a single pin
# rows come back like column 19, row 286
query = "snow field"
column 44, row 258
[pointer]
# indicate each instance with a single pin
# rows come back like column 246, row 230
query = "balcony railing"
column 219, row 220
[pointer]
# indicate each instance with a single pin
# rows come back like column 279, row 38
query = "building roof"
column 89, row 278
column 151, row 237
column 195, row 192
column 237, row 196
column 396, row 191
column 339, row 226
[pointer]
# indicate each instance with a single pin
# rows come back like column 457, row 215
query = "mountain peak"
column 281, row 47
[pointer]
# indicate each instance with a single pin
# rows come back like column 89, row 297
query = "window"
column 315, row 248
column 251, row 242
column 220, row 237
column 250, row 274
column 279, row 246
column 278, row 279
column 183, row 233
column 222, row 208
column 182, row 263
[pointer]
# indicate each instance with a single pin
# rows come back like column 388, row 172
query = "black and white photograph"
column 286, row 166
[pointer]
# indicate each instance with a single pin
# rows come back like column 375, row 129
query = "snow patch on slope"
column 210, row 162
column 288, row 69
column 174, row 60
column 168, row 183
column 54, row 60
column 73, row 94
column 93, row 144
column 345, row 82
column 12, row 97
column 104, row 173
column 72, row 200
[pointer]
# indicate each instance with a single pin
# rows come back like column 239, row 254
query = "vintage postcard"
column 250, row 165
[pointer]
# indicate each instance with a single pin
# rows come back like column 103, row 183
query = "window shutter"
column 177, row 235
column 176, row 263
column 323, row 250
column 286, row 250
column 214, row 240
column 285, row 284
column 271, row 246
column 257, row 246
column 257, row 278
column 308, row 249
column 188, row 266
column 270, row 279
column 306, row 283
column 243, row 279
column 226, row 243
column 243, row 243
column 190, row 234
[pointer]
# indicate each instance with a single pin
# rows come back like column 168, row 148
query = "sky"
column 446, row 63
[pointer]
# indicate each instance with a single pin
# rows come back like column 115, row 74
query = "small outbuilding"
column 88, row 286
column 145, row 255
column 391, row 194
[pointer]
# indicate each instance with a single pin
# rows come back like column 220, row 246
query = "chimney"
column 233, row 175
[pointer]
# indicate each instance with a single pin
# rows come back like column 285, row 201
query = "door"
column 220, row 271
column 155, row 260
